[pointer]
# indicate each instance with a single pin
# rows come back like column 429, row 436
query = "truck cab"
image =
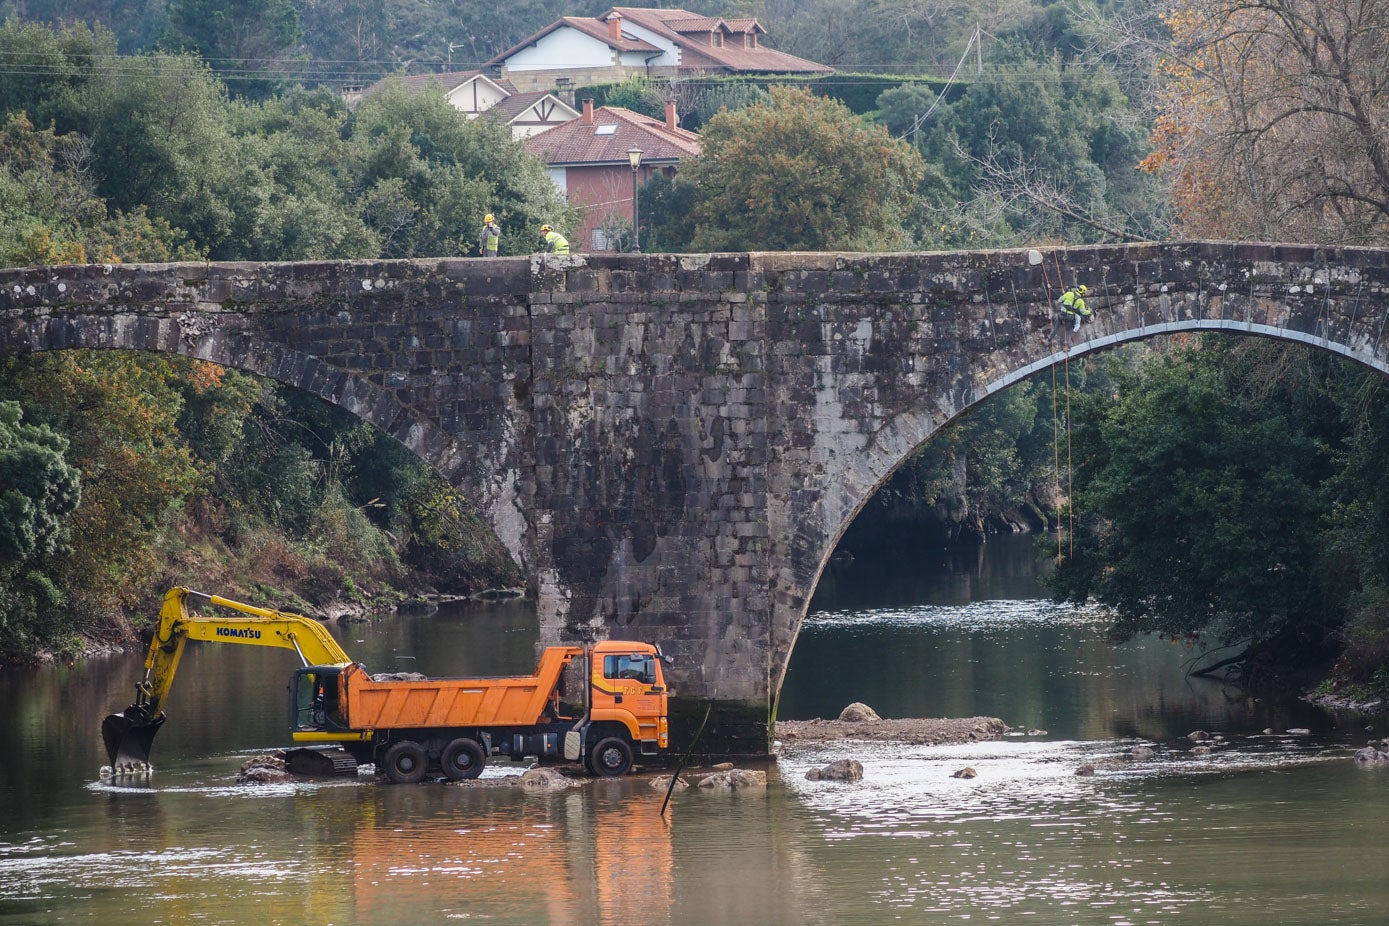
column 628, row 690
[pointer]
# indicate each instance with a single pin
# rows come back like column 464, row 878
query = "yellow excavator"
column 410, row 727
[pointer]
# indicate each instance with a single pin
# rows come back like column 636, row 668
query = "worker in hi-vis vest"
column 555, row 243
column 490, row 238
column 1073, row 304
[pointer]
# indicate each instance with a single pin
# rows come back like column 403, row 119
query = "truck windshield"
column 640, row 667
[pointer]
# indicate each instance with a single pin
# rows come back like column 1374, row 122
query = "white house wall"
column 670, row 56
column 563, row 49
column 639, row 59
column 476, row 96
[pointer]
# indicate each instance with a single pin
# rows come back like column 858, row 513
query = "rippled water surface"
column 1274, row 827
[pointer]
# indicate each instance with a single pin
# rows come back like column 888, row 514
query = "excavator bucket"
column 128, row 737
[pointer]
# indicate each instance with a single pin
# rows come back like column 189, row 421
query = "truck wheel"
column 405, row 762
column 610, row 757
column 462, row 758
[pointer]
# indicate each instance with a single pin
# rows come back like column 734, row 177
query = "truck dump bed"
column 517, row 700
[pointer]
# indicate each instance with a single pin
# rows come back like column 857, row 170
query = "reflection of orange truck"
column 412, row 726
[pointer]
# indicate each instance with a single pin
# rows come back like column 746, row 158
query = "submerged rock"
column 1371, row 756
column 735, row 779
column 545, row 779
column 1086, row 770
column 662, row 783
column 965, row 772
column 1140, row 751
column 838, row 770
column 264, row 769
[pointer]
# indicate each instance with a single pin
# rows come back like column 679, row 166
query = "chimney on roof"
column 671, row 119
column 615, row 26
column 588, row 112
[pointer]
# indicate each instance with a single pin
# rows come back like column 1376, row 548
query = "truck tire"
column 610, row 757
column 405, row 762
column 462, row 758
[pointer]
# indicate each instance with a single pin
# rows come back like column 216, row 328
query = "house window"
column 600, row 240
column 718, row 39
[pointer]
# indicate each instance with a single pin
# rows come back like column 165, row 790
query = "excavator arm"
column 129, row 734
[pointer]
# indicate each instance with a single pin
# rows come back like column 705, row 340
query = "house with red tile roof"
column 474, row 93
column 589, row 159
column 625, row 42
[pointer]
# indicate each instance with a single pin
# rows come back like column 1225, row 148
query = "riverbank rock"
column 858, row 713
column 909, row 731
column 1198, row 736
column 545, row 779
column 662, row 783
column 838, row 770
column 261, row 770
column 735, row 780
column 1371, row 756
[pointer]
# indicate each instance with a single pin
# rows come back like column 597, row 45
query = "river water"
column 1270, row 828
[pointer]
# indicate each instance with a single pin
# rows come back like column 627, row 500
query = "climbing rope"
column 1055, row 426
column 1055, row 423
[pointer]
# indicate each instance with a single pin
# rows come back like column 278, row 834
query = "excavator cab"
column 315, row 699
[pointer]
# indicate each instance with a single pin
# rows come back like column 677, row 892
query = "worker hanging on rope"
column 1072, row 303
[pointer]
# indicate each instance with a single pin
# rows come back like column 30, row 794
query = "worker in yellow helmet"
column 555, row 243
column 490, row 238
column 1073, row 304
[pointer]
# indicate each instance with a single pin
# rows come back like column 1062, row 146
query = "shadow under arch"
column 442, row 454
column 915, row 428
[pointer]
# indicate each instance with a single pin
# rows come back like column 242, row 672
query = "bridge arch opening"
column 830, row 596
column 196, row 473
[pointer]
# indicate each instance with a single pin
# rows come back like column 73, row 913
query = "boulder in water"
column 261, row 770
column 838, row 770
column 735, row 779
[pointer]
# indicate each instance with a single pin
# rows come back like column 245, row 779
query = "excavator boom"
column 128, row 735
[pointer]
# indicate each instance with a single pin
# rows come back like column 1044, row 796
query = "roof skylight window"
column 607, row 128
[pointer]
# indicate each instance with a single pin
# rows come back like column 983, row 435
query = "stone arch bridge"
column 671, row 445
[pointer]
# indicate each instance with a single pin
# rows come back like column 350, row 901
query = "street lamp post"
column 634, row 156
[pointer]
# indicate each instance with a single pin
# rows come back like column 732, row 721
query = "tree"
column 800, row 173
column 161, row 140
column 247, row 42
column 40, row 491
column 429, row 175
column 50, row 69
column 49, row 213
column 1201, row 492
column 1272, row 119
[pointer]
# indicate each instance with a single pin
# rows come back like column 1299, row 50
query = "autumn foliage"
column 1272, row 120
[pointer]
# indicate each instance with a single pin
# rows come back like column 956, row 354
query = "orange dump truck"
column 411, row 726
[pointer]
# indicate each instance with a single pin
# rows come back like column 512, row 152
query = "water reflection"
column 1265, row 828
column 1016, row 656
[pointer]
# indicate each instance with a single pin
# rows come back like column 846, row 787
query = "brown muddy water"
column 1278, row 828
